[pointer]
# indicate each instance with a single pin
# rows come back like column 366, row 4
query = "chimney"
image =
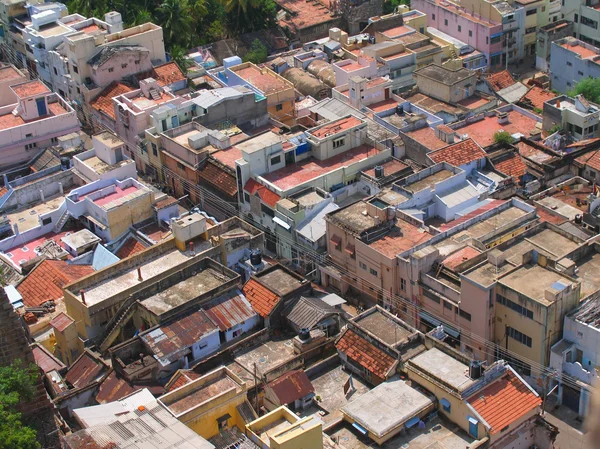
column 502, row 118
column 140, row 278
column 191, row 247
column 82, row 296
column 557, row 103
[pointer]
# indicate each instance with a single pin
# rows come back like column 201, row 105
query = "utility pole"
column 256, row 389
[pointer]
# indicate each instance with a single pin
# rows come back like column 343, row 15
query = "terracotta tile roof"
column 550, row 217
column 30, row 88
column 292, row 386
column 85, row 370
column 504, row 402
column 538, row 96
column 426, row 137
column 365, row 353
column 46, row 281
column 511, row 165
column 591, row 159
column 181, row 378
column 460, row 256
column 130, row 247
column 168, row 74
column 61, row 322
column 165, row 203
column 103, row 102
column 262, row 299
column 219, row 178
column 268, row 197
column 500, row 80
column 458, row 154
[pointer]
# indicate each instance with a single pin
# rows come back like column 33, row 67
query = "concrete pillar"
column 60, row 187
column 42, row 195
column 5, row 181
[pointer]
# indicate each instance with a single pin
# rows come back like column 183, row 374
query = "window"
column 487, row 40
column 570, row 64
column 154, row 149
column 496, row 39
column 137, row 62
column 246, row 197
column 576, row 20
column 446, row 406
column 54, row 140
column 543, row 9
column 180, row 166
column 446, row 22
column 433, row 16
column 579, row 72
column 267, row 210
column 431, row 296
column 465, row 315
column 569, row 84
column 403, row 284
column 592, row 173
column 514, row 306
column 531, row 12
column 223, row 422
column 29, row 146
column 28, row 135
column 75, row 69
column 519, row 336
column 459, row 28
column 447, row 305
column 275, row 160
column 46, row 221
column 575, row 129
column 530, row 30
column 339, row 142
column 470, row 33
column 589, row 22
column 362, row 265
column 55, row 71
column 279, row 107
column 373, row 272
column 123, row 66
column 111, row 69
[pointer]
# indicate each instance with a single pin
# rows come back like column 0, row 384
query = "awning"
column 431, row 320
column 451, row 331
column 360, row 428
column 496, row 35
column 281, row 223
column 445, row 402
column 336, row 240
column 411, row 422
column 472, row 420
column 350, row 249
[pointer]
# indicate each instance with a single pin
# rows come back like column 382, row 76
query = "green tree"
column 589, row 88
column 390, row 5
column 176, row 20
column 503, row 137
column 16, row 384
column 240, row 6
column 179, row 55
column 258, row 52
column 142, row 16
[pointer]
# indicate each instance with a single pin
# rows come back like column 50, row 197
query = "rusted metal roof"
column 291, row 386
column 230, row 310
column 46, row 361
column 85, row 369
column 114, row 388
column 171, row 341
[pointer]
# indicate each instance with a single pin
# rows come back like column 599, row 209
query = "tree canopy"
column 502, row 137
column 589, row 88
column 187, row 23
column 16, row 384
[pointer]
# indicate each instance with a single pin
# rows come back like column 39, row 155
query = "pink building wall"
column 481, row 31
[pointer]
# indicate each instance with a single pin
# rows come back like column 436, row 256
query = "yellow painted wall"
column 206, row 424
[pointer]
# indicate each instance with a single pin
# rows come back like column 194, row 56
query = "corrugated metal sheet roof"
column 85, row 370
column 46, row 361
column 308, row 312
column 230, row 310
column 292, row 386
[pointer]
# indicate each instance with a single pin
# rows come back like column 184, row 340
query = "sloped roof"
column 268, row 197
column 46, row 159
column 292, row 386
column 260, row 297
column 46, row 281
column 229, row 310
column 459, row 153
column 85, row 370
column 103, row 102
column 61, row 321
column 504, row 401
column 106, row 53
column 129, row 248
column 591, row 159
column 511, row 165
column 500, row 80
column 219, row 178
column 113, row 388
column 180, row 378
column 308, row 312
column 46, row 361
column 165, row 74
column 365, row 353
column 538, row 96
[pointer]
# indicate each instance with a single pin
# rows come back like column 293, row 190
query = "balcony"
column 509, row 42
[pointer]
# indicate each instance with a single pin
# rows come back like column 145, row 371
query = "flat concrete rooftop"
column 532, row 281
column 444, row 367
column 28, row 217
column 589, row 274
column 488, row 273
column 267, row 356
column 120, row 282
column 280, row 281
column 429, row 181
column 185, row 291
column 354, row 217
column 383, row 327
column 488, row 225
column 387, row 406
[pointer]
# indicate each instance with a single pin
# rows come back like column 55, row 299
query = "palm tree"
column 240, row 5
column 142, row 16
column 179, row 55
column 176, row 21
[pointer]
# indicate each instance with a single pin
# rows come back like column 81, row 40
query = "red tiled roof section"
column 426, row 137
column 168, row 74
column 268, row 197
column 291, row 386
column 512, row 165
column 336, row 127
column 47, row 280
column 30, row 88
column 262, row 299
column 500, row 80
column 61, row 322
column 460, row 256
column 550, row 217
column 365, row 354
column 504, row 402
column 458, row 154
column 389, row 168
column 538, row 96
column 183, row 378
column 591, row 159
column 130, row 247
column 481, row 210
column 219, row 178
column 103, row 102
